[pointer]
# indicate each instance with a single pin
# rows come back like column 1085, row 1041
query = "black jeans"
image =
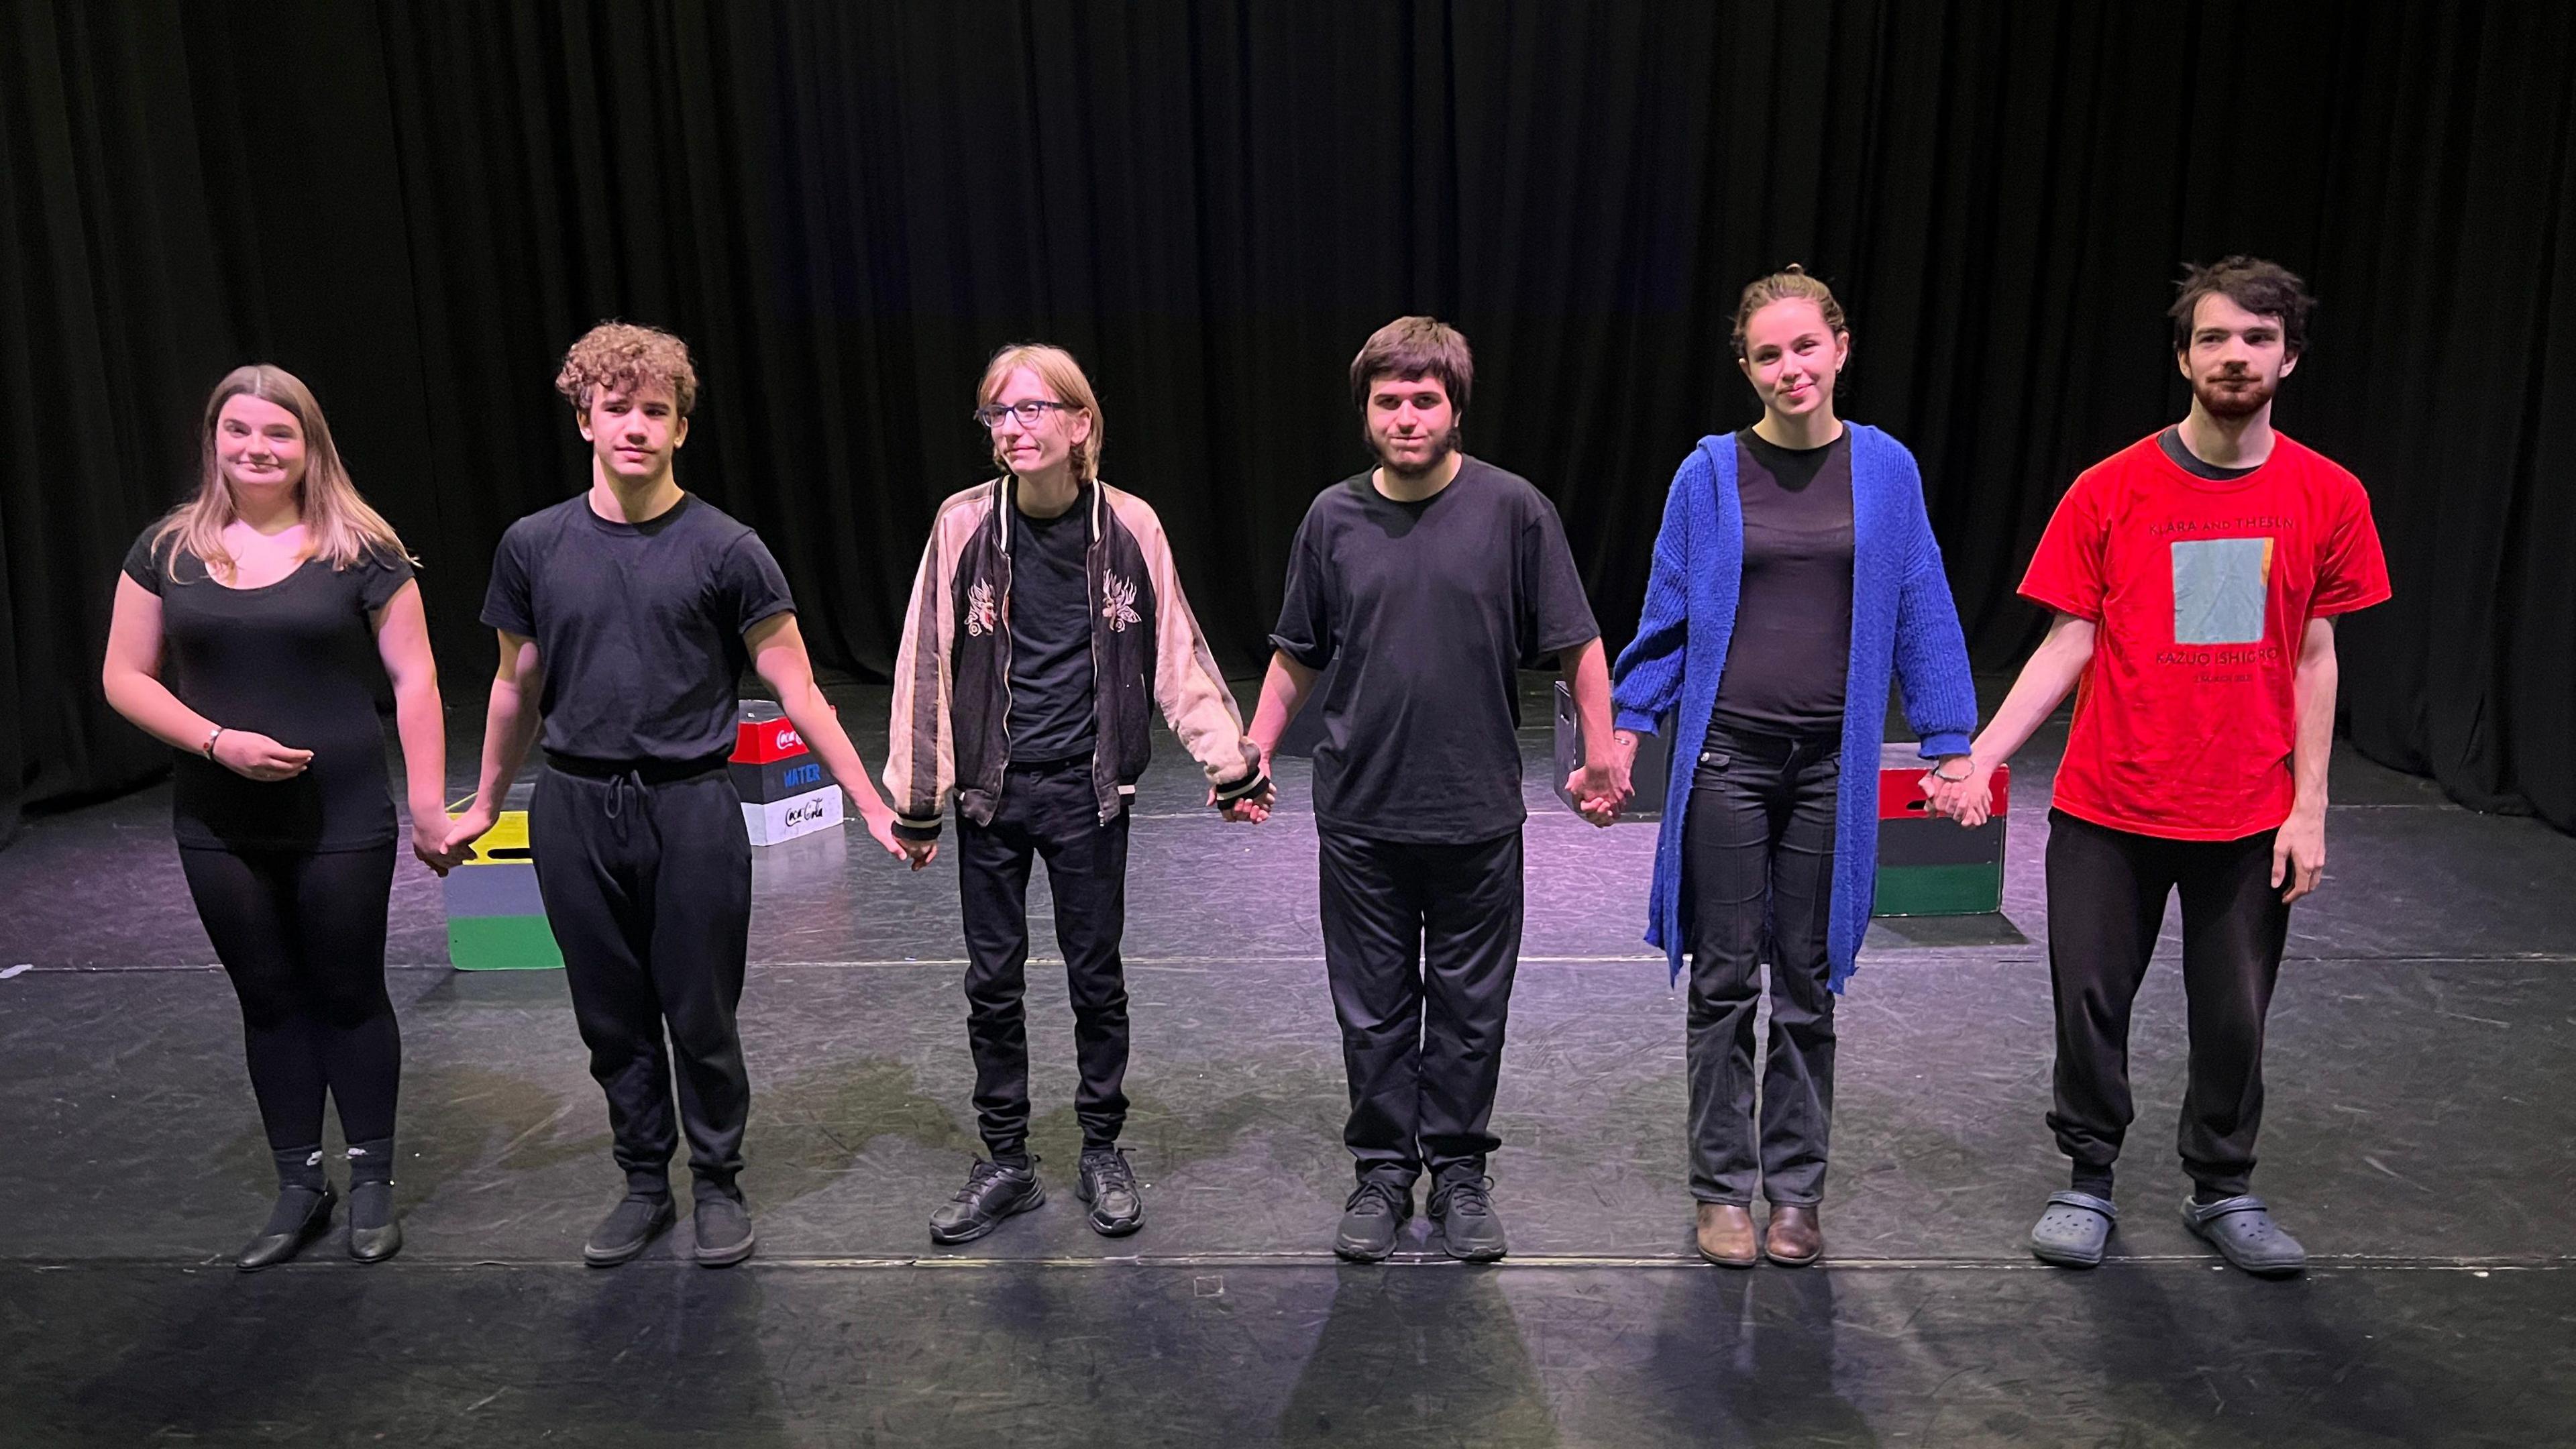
column 303, row 938
column 1758, row 866
column 2106, row 902
column 647, row 884
column 1046, row 811
column 1420, row 945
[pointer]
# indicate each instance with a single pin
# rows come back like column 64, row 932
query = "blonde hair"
column 1790, row 283
column 339, row 528
column 623, row 357
column 1064, row 377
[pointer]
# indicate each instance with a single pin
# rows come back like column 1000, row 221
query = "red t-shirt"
column 2200, row 592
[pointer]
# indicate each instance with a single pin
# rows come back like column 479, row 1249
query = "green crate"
column 1939, row 890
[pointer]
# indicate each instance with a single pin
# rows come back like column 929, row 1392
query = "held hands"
column 1604, row 784
column 255, row 756
column 458, row 839
column 2299, row 854
column 1251, row 809
column 1970, row 799
column 429, row 833
column 879, row 819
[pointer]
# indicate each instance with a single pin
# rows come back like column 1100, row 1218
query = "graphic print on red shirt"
column 2200, row 592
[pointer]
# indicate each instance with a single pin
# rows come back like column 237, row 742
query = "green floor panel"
column 502, row 943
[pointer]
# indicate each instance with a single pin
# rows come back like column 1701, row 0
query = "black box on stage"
column 1647, row 775
column 777, row 779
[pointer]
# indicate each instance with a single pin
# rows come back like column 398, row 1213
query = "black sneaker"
column 1469, row 1229
column 723, row 1230
column 1374, row 1214
column 634, row 1223
column 1107, row 1183
column 991, row 1194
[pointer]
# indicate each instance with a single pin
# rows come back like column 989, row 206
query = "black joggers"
column 1420, row 945
column 647, row 883
column 1046, row 811
column 2106, row 902
column 1758, row 867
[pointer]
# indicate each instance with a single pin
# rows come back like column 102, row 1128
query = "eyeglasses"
column 1030, row 413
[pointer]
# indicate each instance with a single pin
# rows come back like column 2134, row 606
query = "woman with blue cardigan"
column 1796, row 568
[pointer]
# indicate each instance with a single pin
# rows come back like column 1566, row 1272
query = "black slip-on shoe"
column 375, row 1232
column 628, row 1229
column 723, row 1228
column 301, row 1215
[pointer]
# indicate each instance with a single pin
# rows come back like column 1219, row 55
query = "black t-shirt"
column 2170, row 440
column 1431, row 608
column 1788, row 659
column 1052, row 714
column 294, row 660
column 638, row 625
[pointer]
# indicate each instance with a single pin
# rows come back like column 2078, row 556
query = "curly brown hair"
column 621, row 357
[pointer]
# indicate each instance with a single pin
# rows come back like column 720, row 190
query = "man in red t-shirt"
column 2195, row 575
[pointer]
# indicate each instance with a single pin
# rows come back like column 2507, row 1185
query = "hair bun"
column 1794, row 270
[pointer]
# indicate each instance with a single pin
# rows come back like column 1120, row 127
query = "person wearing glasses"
column 1046, row 622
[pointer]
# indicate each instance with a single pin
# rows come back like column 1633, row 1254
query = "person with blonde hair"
column 626, row 615
column 251, row 627
column 1794, row 573
column 1047, row 623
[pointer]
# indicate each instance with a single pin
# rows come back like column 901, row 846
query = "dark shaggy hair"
column 2266, row 289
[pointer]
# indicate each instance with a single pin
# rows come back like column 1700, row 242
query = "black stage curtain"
column 416, row 204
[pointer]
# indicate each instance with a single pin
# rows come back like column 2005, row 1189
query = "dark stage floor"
column 2417, row 1138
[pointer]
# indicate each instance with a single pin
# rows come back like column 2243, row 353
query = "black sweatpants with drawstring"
column 646, row 873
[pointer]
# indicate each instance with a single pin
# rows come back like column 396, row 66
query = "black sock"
column 2093, row 1181
column 371, row 1161
column 2203, row 1194
column 371, row 1183
column 1015, row 1161
column 300, row 1183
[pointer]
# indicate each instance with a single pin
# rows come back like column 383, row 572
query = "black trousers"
column 1045, row 812
column 1758, row 863
column 647, row 883
column 1420, row 944
column 303, row 938
column 2106, row 902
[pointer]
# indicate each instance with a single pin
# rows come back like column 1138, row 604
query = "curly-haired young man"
column 626, row 614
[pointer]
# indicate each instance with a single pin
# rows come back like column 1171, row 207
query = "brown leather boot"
column 1794, row 1238
column 1726, row 1235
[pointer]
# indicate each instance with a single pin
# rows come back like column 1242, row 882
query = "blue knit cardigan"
column 1902, row 617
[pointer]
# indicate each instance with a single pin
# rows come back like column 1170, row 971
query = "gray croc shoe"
column 2242, row 1231
column 2074, row 1230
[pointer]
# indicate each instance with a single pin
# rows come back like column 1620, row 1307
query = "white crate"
column 796, row 815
